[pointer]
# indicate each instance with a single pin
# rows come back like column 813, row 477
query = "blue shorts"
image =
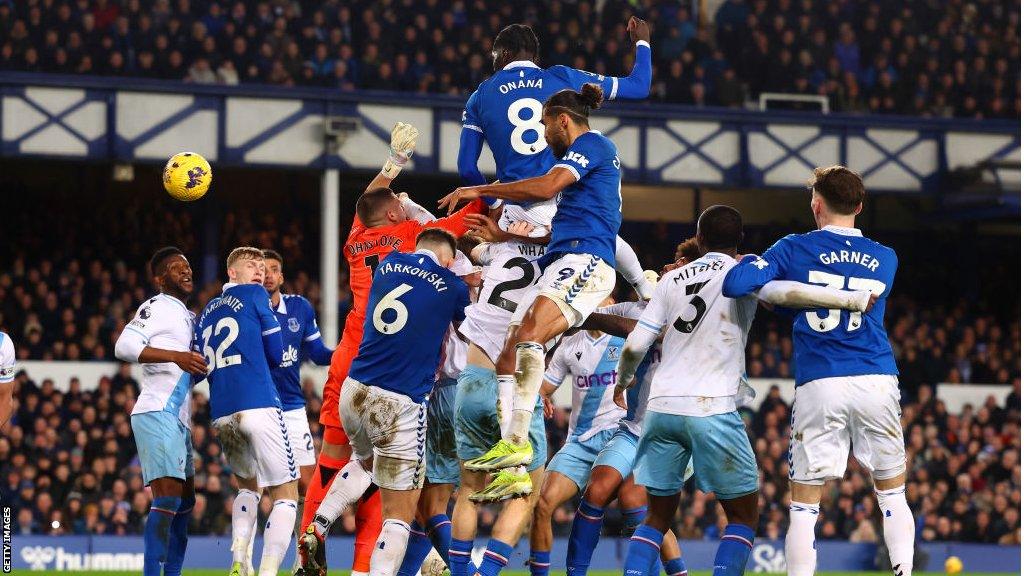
column 575, row 459
column 442, row 460
column 476, row 418
column 723, row 460
column 164, row 444
column 619, row 452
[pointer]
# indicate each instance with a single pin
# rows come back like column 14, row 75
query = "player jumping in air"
column 300, row 337
column 691, row 409
column 847, row 391
column 160, row 338
column 578, row 276
column 241, row 340
column 413, row 300
column 384, row 222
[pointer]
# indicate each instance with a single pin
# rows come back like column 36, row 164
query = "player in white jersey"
column 160, row 338
column 692, row 404
column 587, row 359
column 7, row 357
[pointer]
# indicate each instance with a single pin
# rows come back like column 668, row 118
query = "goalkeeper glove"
column 403, row 142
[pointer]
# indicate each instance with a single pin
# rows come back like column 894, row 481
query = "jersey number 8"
column 531, row 123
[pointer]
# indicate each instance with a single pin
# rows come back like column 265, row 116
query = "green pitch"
column 504, row 573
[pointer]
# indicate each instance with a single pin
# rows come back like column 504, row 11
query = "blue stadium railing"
column 139, row 120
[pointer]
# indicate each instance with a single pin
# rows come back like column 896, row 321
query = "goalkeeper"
column 384, row 222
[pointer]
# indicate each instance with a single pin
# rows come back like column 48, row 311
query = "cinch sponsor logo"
column 55, row 558
column 589, row 381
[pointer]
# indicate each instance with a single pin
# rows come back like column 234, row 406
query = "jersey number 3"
column 698, row 303
column 215, row 358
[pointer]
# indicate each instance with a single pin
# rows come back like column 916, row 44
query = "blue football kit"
column 240, row 337
column 413, row 300
column 300, row 338
column 828, row 343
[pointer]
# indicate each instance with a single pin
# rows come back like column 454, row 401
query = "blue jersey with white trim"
column 507, row 108
column 590, row 363
column 298, row 329
column 829, row 343
column 230, row 333
column 589, row 210
column 413, row 300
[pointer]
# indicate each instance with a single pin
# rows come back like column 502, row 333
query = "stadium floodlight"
column 337, row 129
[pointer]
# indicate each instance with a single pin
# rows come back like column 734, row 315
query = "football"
column 954, row 565
column 187, row 176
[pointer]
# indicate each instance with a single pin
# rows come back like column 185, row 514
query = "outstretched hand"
column 638, row 30
column 457, row 196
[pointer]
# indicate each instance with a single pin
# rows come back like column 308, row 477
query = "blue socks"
column 461, row 564
column 540, row 562
column 583, row 537
column 495, row 558
column 158, row 532
column 644, row 550
column 439, row 529
column 179, row 537
column 733, row 550
column 416, row 551
column 676, row 567
column 633, row 518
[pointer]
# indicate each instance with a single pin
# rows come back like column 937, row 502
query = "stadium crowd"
column 921, row 58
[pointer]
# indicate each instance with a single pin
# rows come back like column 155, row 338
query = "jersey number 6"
column 390, row 302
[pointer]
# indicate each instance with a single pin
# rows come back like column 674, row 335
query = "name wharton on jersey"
column 433, row 278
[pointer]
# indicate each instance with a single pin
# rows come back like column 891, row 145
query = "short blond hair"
column 244, row 253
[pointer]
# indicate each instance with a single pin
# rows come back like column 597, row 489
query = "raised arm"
column 534, row 189
column 637, row 85
column 403, row 142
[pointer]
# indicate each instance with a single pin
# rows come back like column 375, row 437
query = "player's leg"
column 819, row 446
column 178, row 541
column 723, row 438
column 301, row 439
column 633, row 501
column 369, row 521
column 277, row 534
column 399, row 508
column 432, row 528
column 442, row 466
column 556, row 490
column 879, row 446
column 661, row 462
column 335, row 451
column 586, row 524
column 464, row 522
column 672, row 555
column 158, row 439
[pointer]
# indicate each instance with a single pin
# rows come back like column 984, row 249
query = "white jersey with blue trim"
column 636, row 397
column 703, row 351
column 7, row 359
column 164, row 322
column 590, row 363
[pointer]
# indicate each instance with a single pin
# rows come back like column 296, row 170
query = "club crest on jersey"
column 293, row 324
column 613, row 352
column 145, row 313
column 577, row 158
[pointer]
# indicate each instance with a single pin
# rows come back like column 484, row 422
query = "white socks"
column 390, row 550
column 277, row 536
column 898, row 529
column 506, row 399
column 529, row 377
column 243, row 518
column 801, row 556
column 348, row 486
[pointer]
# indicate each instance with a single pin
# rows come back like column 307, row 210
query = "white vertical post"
column 330, row 214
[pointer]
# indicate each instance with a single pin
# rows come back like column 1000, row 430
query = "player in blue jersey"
column 578, row 275
column 240, row 337
column 847, row 391
column 506, row 109
column 413, row 300
column 160, row 338
column 300, row 337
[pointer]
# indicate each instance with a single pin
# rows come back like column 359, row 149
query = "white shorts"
column 300, row 437
column 577, row 283
column 390, row 427
column 830, row 414
column 256, row 445
column 486, row 325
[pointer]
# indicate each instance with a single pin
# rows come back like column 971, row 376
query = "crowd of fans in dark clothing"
column 915, row 57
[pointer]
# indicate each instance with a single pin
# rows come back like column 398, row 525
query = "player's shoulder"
column 6, row 344
column 599, row 143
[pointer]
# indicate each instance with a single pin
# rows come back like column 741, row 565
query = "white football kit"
column 7, row 357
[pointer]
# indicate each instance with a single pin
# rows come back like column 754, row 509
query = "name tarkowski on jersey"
column 431, row 277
